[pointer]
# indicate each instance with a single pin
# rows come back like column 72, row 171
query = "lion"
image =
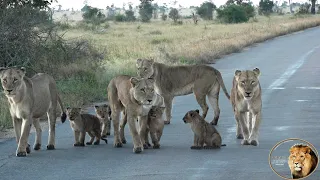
column 204, row 133
column 134, row 96
column 30, row 99
column 247, row 104
column 82, row 123
column 103, row 113
column 171, row 81
column 302, row 161
column 155, row 126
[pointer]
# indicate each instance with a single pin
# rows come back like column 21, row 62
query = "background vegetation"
column 84, row 55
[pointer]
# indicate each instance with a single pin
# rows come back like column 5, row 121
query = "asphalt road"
column 290, row 72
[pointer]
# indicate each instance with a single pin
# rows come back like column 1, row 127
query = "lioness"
column 135, row 97
column 204, row 133
column 246, row 102
column 302, row 161
column 30, row 99
column 82, row 123
column 103, row 113
column 171, row 81
column 155, row 126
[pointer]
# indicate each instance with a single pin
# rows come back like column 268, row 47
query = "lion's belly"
column 42, row 102
column 185, row 90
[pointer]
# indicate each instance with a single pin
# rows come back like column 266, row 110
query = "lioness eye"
column 301, row 156
column 142, row 90
column 145, row 69
column 5, row 80
column 15, row 79
column 252, row 82
column 242, row 82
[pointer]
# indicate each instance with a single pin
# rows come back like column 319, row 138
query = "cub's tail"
column 223, row 145
column 105, row 140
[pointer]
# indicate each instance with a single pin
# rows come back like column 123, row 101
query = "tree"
column 130, row 14
column 313, row 6
column 42, row 4
column 145, row 10
column 265, row 7
column 174, row 14
column 206, row 10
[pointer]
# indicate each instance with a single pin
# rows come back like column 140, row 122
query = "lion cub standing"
column 204, row 133
column 155, row 125
column 82, row 123
column 104, row 114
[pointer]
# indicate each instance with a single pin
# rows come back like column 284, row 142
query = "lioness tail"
column 63, row 115
column 220, row 80
column 105, row 140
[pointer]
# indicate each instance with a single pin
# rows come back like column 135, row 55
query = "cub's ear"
column 138, row 63
column 197, row 110
column 256, row 71
column 96, row 107
column 105, row 105
column 237, row 73
column 134, row 81
column 68, row 109
column 22, row 71
column 1, row 70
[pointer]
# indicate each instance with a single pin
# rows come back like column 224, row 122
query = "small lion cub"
column 155, row 126
column 104, row 114
column 82, row 123
column 204, row 133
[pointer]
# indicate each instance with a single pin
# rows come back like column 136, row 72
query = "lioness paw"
column 156, row 146
column 117, row 145
column 78, row 144
column 137, row 150
column 28, row 149
column 124, row 141
column 254, row 142
column 50, row 147
column 245, row 142
column 166, row 122
column 239, row 136
column 37, row 146
column 145, row 146
column 88, row 143
column 21, row 154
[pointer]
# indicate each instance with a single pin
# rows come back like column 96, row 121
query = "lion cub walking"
column 155, row 126
column 82, row 123
column 204, row 133
column 104, row 114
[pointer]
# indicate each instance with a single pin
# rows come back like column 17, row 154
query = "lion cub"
column 82, row 123
column 104, row 114
column 204, row 133
column 155, row 125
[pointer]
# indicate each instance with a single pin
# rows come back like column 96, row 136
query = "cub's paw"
column 96, row 143
column 21, row 154
column 209, row 147
column 156, row 146
column 117, row 145
column 166, row 122
column 78, row 144
column 137, row 150
column 88, row 143
column 239, row 136
column 50, row 147
column 124, row 141
column 28, row 149
column 196, row 147
column 213, row 123
column 145, row 146
column 245, row 142
column 149, row 145
column 254, row 142
column 37, row 146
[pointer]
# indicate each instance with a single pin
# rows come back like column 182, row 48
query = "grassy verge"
column 171, row 44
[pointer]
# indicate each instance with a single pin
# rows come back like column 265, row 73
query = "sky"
column 102, row 4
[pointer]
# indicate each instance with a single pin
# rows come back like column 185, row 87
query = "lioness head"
column 190, row 115
column 11, row 79
column 143, row 90
column 248, row 82
column 156, row 111
column 103, row 111
column 300, row 157
column 73, row 113
column 145, row 68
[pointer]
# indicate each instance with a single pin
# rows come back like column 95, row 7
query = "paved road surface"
column 291, row 101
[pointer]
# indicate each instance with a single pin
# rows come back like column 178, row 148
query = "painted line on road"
column 301, row 100
column 317, row 88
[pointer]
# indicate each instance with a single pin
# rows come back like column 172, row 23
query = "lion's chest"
column 19, row 111
column 76, row 125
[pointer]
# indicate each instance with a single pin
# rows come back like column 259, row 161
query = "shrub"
column 232, row 14
column 120, row 18
column 130, row 15
column 93, row 15
column 206, row 10
column 145, row 10
column 304, row 8
column 164, row 17
column 174, row 14
column 265, row 7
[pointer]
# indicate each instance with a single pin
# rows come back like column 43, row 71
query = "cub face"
column 143, row 90
column 247, row 82
column 156, row 112
column 190, row 115
column 73, row 113
column 103, row 111
column 145, row 67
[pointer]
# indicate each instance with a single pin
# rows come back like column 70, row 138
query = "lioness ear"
column 96, row 107
column 197, row 110
column 237, row 73
column 134, row 81
column 139, row 61
column 256, row 71
column 22, row 71
column 1, row 70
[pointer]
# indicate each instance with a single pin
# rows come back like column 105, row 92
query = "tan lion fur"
column 30, row 99
column 204, row 133
column 171, row 81
column 133, row 97
column 104, row 114
column 155, row 126
column 84, row 123
column 302, row 161
column 247, row 104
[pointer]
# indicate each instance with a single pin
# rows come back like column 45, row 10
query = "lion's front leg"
column 115, row 118
column 137, row 145
column 23, row 142
column 239, row 134
column 143, row 123
column 52, row 129
column 37, row 143
column 17, row 124
column 255, row 130
column 245, row 130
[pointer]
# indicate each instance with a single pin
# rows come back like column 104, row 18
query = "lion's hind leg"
column 37, row 143
column 91, row 134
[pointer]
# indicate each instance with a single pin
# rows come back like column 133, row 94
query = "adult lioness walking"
column 171, row 81
column 30, row 99
column 134, row 97
column 246, row 102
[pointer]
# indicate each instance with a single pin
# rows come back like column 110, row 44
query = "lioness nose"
column 296, row 163
column 248, row 93
column 149, row 100
column 9, row 91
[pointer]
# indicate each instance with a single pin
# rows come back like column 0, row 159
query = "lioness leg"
column 137, row 145
column 92, row 138
column 108, row 124
column 37, row 143
column 23, row 142
column 17, row 123
column 168, row 104
column 213, row 97
column 201, row 99
column 115, row 118
column 242, row 120
column 255, row 130
column 143, row 123
column 122, row 126
column 52, row 128
column 239, row 134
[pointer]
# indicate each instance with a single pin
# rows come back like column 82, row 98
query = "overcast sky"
column 102, row 4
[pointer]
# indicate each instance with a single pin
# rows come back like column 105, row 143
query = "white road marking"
column 301, row 100
column 281, row 128
column 317, row 88
column 278, row 88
